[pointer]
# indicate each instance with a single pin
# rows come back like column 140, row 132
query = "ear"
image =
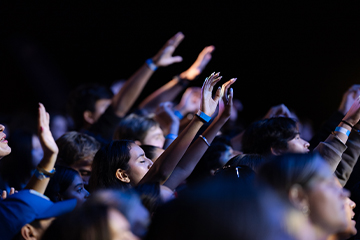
column 28, row 232
column 88, row 117
column 137, row 142
column 276, row 151
column 122, row 176
column 298, row 198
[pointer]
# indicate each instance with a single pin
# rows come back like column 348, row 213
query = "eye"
column 79, row 190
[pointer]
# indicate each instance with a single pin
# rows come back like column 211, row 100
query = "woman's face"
column 76, row 190
column 139, row 164
column 327, row 202
column 4, row 147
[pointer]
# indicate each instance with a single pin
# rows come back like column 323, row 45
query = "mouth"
column 3, row 139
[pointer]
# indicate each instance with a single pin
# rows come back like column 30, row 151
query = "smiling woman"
column 4, row 147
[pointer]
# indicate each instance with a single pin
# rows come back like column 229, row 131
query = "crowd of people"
column 179, row 169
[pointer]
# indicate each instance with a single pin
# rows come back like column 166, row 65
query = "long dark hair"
column 107, row 160
column 60, row 182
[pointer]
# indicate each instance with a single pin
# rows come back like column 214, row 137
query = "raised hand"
column 190, row 101
column 164, row 56
column 208, row 104
column 353, row 115
column 349, row 98
column 278, row 111
column 46, row 139
column 226, row 100
column 198, row 66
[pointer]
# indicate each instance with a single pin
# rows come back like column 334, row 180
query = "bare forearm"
column 125, row 98
column 47, row 163
column 193, row 155
column 164, row 94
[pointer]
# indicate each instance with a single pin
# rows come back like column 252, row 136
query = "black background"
column 304, row 55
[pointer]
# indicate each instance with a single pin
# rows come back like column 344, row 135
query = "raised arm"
column 335, row 145
column 194, row 153
column 171, row 89
column 125, row 98
column 50, row 152
column 167, row 162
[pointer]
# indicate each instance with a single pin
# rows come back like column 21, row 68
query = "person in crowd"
column 253, row 161
column 91, row 222
column 77, row 150
column 66, row 184
column 26, row 215
column 17, row 168
column 308, row 183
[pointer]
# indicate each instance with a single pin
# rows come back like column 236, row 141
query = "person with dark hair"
column 308, row 183
column 90, row 222
column 152, row 152
column 251, row 160
column 273, row 136
column 97, row 112
column 143, row 130
column 66, row 184
column 77, row 150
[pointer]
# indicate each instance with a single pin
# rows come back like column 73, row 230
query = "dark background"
column 305, row 55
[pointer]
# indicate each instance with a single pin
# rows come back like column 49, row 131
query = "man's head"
column 273, row 136
column 26, row 214
column 87, row 103
column 77, row 150
column 143, row 130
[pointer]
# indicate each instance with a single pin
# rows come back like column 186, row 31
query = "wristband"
column 151, row 64
column 41, row 173
column 342, row 130
column 205, row 140
column 347, row 123
column 171, row 136
column 178, row 114
column 203, row 117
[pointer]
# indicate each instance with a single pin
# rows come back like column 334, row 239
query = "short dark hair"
column 107, row 160
column 83, row 99
column 135, row 127
column 75, row 146
column 265, row 134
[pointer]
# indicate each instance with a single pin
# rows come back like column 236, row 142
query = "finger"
column 231, row 97
column 47, row 118
column 176, row 59
column 217, row 95
column 177, row 39
column 4, row 194
column 12, row 191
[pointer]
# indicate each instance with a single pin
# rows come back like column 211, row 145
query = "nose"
column 351, row 204
column 87, row 194
column 2, row 128
column 306, row 144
